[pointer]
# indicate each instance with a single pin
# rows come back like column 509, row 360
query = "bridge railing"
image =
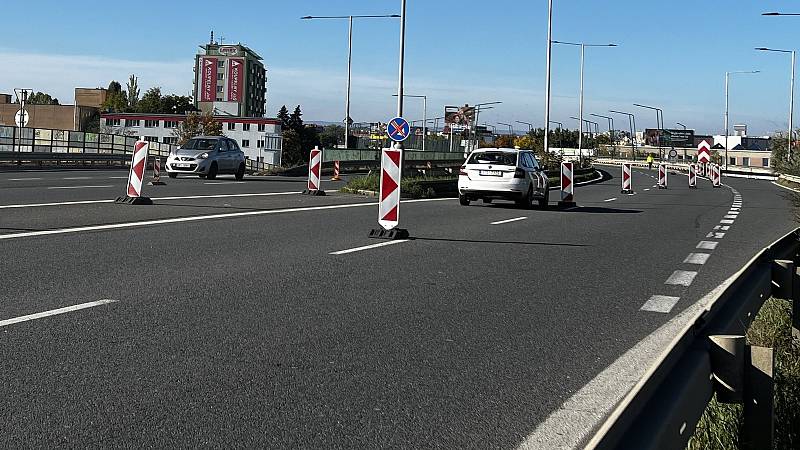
column 663, row 409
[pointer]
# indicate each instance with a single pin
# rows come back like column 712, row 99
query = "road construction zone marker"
column 716, row 176
column 156, row 181
column 314, row 172
column 567, row 184
column 692, row 176
column 626, row 179
column 662, row 176
column 335, row 176
column 389, row 200
column 133, row 195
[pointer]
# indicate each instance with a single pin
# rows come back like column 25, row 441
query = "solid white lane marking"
column 681, row 278
column 224, row 182
column 367, row 247
column 81, row 187
column 185, row 197
column 707, row 245
column 610, row 199
column 646, row 189
column 785, row 187
column 727, row 221
column 660, row 304
column 696, row 258
column 118, row 178
column 77, row 178
column 116, row 226
column 24, row 179
column 500, row 222
column 54, row 312
column 715, row 235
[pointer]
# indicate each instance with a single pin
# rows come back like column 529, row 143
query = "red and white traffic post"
column 567, row 184
column 716, row 176
column 314, row 172
column 692, row 176
column 389, row 197
column 133, row 195
column 156, row 181
column 703, row 157
column 662, row 176
column 627, row 182
column 335, row 176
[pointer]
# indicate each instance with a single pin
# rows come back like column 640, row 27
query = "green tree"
column 133, row 91
column 150, row 102
column 296, row 120
column 116, row 98
column 197, row 124
column 331, row 136
column 283, row 116
column 176, row 104
column 40, row 98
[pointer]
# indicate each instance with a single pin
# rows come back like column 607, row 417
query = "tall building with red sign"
column 230, row 80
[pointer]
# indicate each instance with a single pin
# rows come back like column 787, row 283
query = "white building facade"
column 259, row 138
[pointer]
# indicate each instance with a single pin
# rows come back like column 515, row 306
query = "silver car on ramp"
column 207, row 156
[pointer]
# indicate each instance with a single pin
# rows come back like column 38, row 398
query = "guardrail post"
column 727, row 354
column 796, row 304
column 758, row 415
column 782, row 283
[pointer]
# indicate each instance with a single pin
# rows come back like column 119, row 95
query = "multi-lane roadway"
column 246, row 313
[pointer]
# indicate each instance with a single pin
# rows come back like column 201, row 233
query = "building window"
column 150, row 123
column 170, row 124
column 219, row 99
column 219, row 88
column 261, row 127
column 170, row 140
column 112, row 122
column 746, row 161
column 245, row 127
column 221, row 64
column 231, row 126
column 732, row 160
column 131, row 122
column 219, row 75
column 245, row 143
column 764, row 162
column 151, row 138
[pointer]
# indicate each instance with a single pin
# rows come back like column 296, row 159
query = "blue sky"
column 671, row 54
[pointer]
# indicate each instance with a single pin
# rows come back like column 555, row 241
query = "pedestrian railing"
column 709, row 356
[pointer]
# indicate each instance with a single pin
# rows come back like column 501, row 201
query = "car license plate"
column 181, row 164
column 491, row 173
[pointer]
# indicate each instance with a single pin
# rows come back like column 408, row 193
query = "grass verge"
column 720, row 424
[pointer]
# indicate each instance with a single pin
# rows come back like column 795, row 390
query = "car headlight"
column 202, row 156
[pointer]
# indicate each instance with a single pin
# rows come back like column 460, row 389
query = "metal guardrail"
column 792, row 178
column 663, row 409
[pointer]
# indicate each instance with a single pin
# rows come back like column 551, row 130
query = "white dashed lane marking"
column 681, row 278
column 715, row 235
column 610, row 199
column 500, row 222
column 660, row 304
column 707, row 245
column 697, row 258
column 726, row 221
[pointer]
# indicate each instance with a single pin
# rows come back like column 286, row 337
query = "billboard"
column 669, row 138
column 208, row 79
column 458, row 117
column 235, row 79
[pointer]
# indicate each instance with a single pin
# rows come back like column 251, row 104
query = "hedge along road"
column 247, row 329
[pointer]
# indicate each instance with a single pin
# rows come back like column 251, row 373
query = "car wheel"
column 212, row 172
column 527, row 201
column 240, row 172
column 463, row 200
column 544, row 201
column 172, row 174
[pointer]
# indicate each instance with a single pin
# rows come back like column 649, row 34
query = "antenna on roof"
column 212, row 37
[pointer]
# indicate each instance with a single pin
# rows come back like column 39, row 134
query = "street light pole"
column 547, row 77
column 791, row 98
column 510, row 128
column 632, row 124
column 659, row 125
column 610, row 128
column 402, row 58
column 678, row 123
column 560, row 128
column 530, row 125
column 349, row 61
column 727, row 77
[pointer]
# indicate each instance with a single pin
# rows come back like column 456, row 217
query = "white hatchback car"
column 503, row 173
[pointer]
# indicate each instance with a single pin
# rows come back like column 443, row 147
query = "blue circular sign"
column 398, row 129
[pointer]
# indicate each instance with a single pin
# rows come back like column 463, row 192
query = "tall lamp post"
column 582, row 45
column 632, row 124
column 530, row 125
column 727, row 78
column 547, row 77
column 791, row 96
column 678, row 123
column 659, row 124
column 349, row 60
column 424, row 116
column 510, row 128
column 610, row 127
column 560, row 128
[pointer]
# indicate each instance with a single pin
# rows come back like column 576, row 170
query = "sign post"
column 398, row 130
column 662, row 176
column 626, row 179
column 703, row 157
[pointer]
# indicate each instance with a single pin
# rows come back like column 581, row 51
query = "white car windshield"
column 200, row 144
column 499, row 158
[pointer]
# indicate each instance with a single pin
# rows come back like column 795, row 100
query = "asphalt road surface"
column 240, row 313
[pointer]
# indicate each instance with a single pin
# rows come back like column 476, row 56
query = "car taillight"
column 462, row 171
column 519, row 173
